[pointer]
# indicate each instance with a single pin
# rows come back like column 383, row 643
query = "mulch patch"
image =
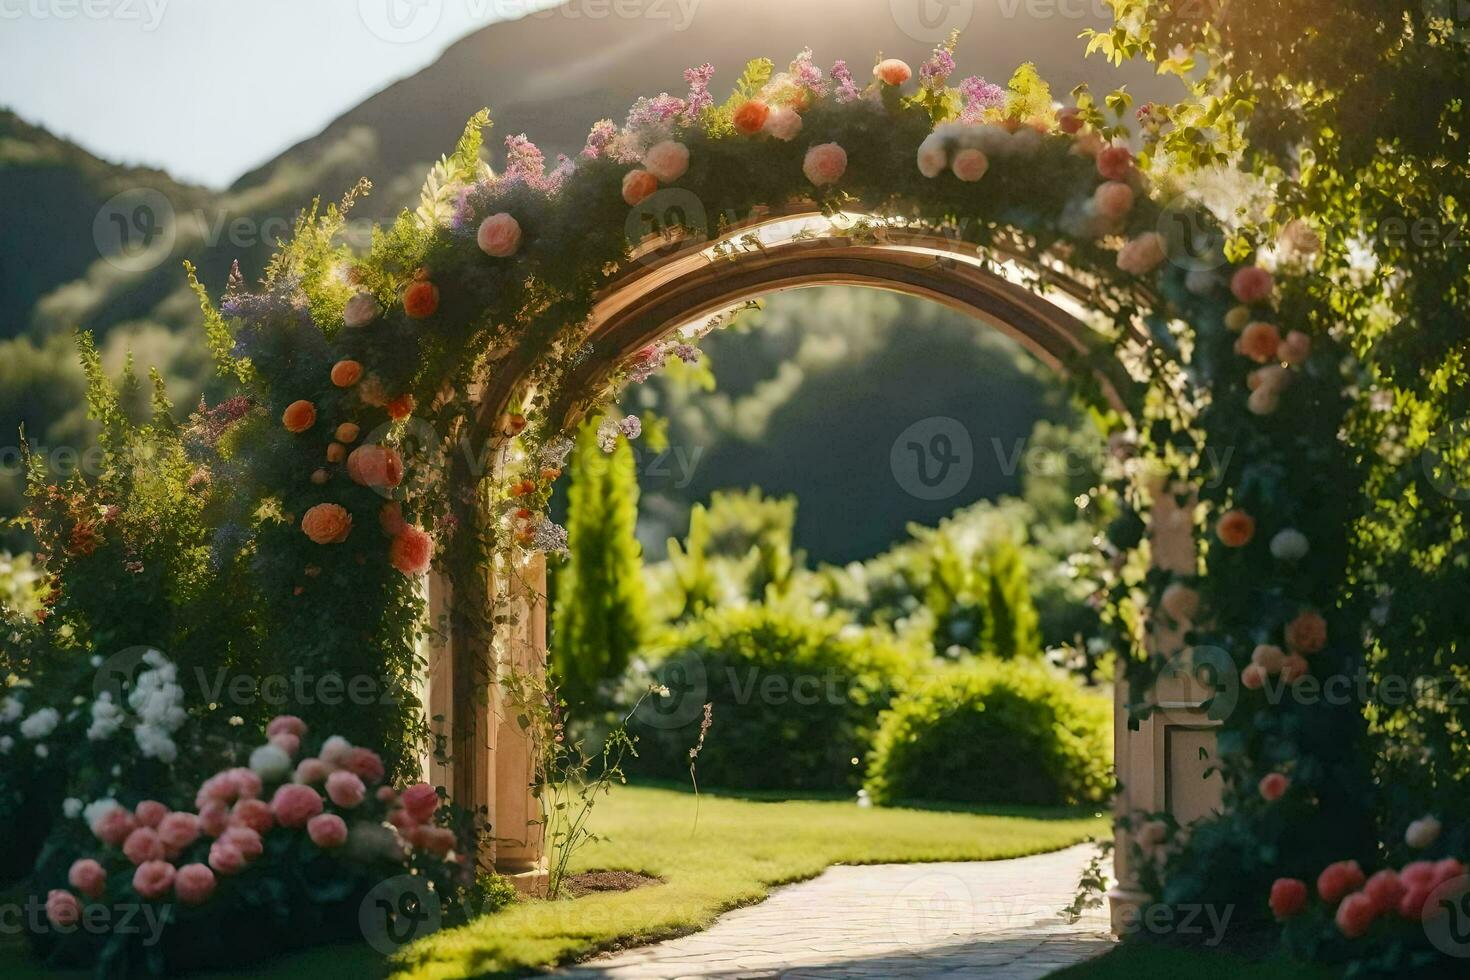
column 593, row 882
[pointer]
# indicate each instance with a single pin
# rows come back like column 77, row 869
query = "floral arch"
column 404, row 412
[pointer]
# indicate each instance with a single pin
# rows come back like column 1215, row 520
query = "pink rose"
column 1411, row 905
column 638, row 186
column 246, row 783
column 1295, row 348
column 499, row 236
column 178, row 831
column 420, row 801
column 87, row 877
column 286, row 725
column 1269, row 657
column 970, row 165
column 286, row 742
column 365, row 763
column 1142, row 254
column 153, row 879
column 335, row 751
column 311, row 771
column 143, row 846
column 1113, row 199
column 404, row 821
column 1253, row 677
column 412, row 551
column 1418, row 874
column 1288, row 898
column 1294, row 668
column 114, row 826
column 1307, row 633
column 1251, row 284
column 1274, row 786
column 668, row 160
column 1385, row 889
column 387, row 794
column 1264, row 401
column 825, row 164
column 1115, row 163
column 194, row 884
column 226, row 859
column 214, row 817
column 327, row 830
column 294, row 804
column 244, row 840
column 255, row 814
column 892, row 71
column 1259, row 341
column 784, row 123
column 1356, row 914
column 62, row 908
column 435, row 840
column 1336, row 880
column 345, row 789
column 150, row 813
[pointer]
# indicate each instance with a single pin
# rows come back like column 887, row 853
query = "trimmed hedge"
column 992, row 732
column 795, row 700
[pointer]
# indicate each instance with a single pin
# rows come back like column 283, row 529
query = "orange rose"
column 347, row 432
column 375, row 466
column 421, row 299
column 751, row 117
column 1236, row 528
column 320, row 477
column 1307, row 633
column 371, row 391
column 327, row 523
column 390, row 519
column 638, row 186
column 400, row 407
column 1259, row 342
column 336, row 452
column 411, row 551
column 892, row 71
column 299, row 416
column 345, row 374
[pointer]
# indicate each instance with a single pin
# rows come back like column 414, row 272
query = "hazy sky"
column 209, row 88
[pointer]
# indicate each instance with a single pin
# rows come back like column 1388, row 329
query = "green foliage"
column 795, row 698
column 992, row 732
column 600, row 603
column 1028, row 96
column 1011, row 627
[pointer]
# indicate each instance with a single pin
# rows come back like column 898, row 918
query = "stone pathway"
column 993, row 919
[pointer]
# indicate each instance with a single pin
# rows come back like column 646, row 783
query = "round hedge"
column 993, row 732
column 794, row 701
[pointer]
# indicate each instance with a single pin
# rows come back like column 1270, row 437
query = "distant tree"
column 1012, row 626
column 599, row 620
column 694, row 578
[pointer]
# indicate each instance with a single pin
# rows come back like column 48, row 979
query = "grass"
column 737, row 851
column 1151, row 961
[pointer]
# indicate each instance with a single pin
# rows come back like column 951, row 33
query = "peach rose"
column 336, row 452
column 668, row 160
column 345, row 789
column 143, row 846
column 226, row 859
column 1113, row 199
column 365, row 764
column 1259, row 341
column 1180, row 602
column 1273, row 786
column 62, row 908
column 87, row 877
column 1294, row 667
column 784, row 123
column 892, row 71
column 412, row 551
column 499, row 236
column 970, row 165
column 1115, row 163
column 214, row 818
column 825, row 164
column 1264, row 401
column 345, row 374
column 113, row 826
column 150, row 813
column 320, row 477
column 1069, row 119
column 421, row 299
column 1269, row 658
column 255, row 814
column 1288, row 898
column 1236, row 318
column 1143, row 254
column 1253, row 677
column 327, row 830
column 347, row 432
column 1355, row 915
column 360, row 310
column 1337, row 880
column 435, row 840
column 1295, row 348
column 247, row 841
column 420, row 801
column 295, row 804
column 299, row 416
column 1235, row 528
column 310, row 771
column 638, row 186
column 750, row 117
column 390, row 518
column 1251, row 284
column 153, row 879
column 1307, row 633
column 178, row 831
column 932, row 157
column 194, row 884
column 376, row 466
column 327, row 523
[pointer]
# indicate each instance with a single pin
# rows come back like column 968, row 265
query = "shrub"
column 795, row 699
column 992, row 732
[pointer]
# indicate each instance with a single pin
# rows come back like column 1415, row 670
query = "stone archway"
column 1161, row 764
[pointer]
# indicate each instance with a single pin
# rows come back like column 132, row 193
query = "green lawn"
column 738, row 850
column 1151, row 961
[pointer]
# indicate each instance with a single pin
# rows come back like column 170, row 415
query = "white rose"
column 71, row 807
column 667, row 160
column 40, row 724
column 932, row 156
column 10, row 710
column 334, row 750
column 1290, row 545
column 6, row 744
column 360, row 310
column 270, row 763
column 1422, row 833
column 784, row 123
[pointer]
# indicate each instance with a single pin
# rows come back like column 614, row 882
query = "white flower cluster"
column 107, row 718
column 10, row 710
column 158, row 701
column 37, row 725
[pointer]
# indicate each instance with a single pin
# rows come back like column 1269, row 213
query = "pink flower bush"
column 365, row 764
column 499, row 236
column 255, row 814
column 825, row 164
column 226, row 859
column 245, row 840
column 1143, row 254
column 1273, row 786
column 194, row 884
column 178, row 831
column 286, row 725
column 88, row 877
column 143, row 846
column 1251, row 284
column 327, row 830
column 1337, row 880
column 1288, row 898
column 154, row 879
column 294, row 804
column 214, row 817
column 1356, row 914
column 420, row 801
column 1385, row 889
column 114, row 826
column 1113, row 200
column 150, row 813
column 345, row 789
column 62, row 908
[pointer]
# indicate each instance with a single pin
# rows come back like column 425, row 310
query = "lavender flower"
column 549, row 537
column 806, row 73
column 603, row 133
column 687, row 353
column 525, row 163
column 630, row 427
column 847, row 90
column 980, row 96
column 699, row 97
column 936, row 71
column 554, row 454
